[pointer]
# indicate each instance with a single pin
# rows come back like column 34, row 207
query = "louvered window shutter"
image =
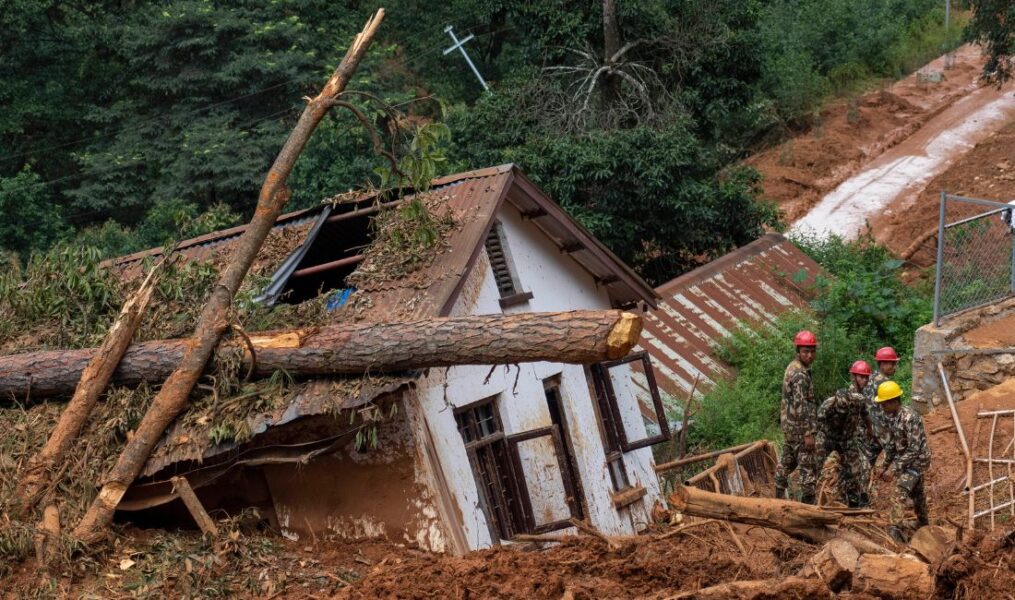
column 499, row 262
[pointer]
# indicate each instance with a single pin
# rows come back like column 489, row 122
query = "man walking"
column 907, row 458
column 798, row 416
column 887, row 361
column 843, row 426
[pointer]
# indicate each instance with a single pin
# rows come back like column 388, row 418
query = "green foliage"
column 993, row 26
column 864, row 291
column 658, row 197
column 28, row 217
column 862, row 306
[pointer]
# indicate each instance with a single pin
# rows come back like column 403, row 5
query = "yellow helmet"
column 888, row 390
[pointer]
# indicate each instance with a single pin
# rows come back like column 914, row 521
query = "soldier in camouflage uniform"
column 798, row 416
column 887, row 361
column 842, row 428
column 907, row 458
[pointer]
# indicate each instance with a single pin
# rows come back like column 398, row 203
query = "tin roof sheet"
column 753, row 284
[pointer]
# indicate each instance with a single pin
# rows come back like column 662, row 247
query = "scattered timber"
column 171, row 399
column 571, row 337
column 802, row 521
column 91, row 382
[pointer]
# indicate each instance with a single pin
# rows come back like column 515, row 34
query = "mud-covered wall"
column 975, row 348
column 382, row 492
column 557, row 283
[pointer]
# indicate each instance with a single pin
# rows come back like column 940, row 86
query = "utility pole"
column 459, row 45
column 948, row 10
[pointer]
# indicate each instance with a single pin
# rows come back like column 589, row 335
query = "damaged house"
column 448, row 459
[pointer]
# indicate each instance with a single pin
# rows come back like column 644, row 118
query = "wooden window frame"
column 510, row 516
column 610, row 394
column 553, row 384
column 569, row 490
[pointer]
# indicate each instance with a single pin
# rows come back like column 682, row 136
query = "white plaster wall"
column 557, row 284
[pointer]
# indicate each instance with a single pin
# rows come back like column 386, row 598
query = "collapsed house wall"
column 520, row 400
column 976, row 348
column 385, row 491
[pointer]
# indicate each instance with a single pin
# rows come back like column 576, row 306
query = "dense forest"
column 126, row 124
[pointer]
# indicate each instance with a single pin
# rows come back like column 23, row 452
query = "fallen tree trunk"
column 91, row 382
column 802, row 521
column 172, row 397
column 579, row 337
column 760, row 589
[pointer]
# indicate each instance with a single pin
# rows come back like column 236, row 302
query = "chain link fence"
column 975, row 254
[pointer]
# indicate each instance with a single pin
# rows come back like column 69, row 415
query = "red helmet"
column 860, row 367
column 805, row 338
column 886, row 354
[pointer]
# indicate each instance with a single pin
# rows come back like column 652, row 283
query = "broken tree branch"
column 172, row 398
column 91, row 382
column 578, row 337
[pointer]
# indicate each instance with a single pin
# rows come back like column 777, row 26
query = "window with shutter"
column 499, row 262
column 503, row 269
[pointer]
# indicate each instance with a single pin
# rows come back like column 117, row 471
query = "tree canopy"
column 129, row 123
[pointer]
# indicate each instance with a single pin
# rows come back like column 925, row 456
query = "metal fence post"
column 940, row 254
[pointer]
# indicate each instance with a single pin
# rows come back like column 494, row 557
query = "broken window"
column 615, row 375
column 555, row 404
column 607, row 378
column 523, row 480
column 503, row 269
column 481, row 430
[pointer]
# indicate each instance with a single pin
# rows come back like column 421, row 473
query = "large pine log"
column 571, row 337
column 172, row 397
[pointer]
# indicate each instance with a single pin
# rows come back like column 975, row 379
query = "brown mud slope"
column 849, row 134
column 987, row 172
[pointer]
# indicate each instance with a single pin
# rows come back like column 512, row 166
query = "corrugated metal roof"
column 753, row 284
column 474, row 199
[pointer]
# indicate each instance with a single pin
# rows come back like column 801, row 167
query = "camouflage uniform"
column 907, row 454
column 876, row 420
column 842, row 427
column 798, row 417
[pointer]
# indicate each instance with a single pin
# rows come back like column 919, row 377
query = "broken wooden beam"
column 690, row 460
column 194, row 506
column 571, row 337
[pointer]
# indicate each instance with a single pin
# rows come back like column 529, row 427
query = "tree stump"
column 900, row 576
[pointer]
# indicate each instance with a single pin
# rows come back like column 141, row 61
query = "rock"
column 900, row 576
column 987, row 366
column 933, row 543
column 1005, row 359
column 964, row 363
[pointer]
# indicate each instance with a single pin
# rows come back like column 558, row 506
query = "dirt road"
column 892, row 181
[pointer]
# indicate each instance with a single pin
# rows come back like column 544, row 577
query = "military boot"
column 807, row 498
column 897, row 534
column 780, row 492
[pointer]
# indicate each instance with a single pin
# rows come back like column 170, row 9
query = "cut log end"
column 623, row 336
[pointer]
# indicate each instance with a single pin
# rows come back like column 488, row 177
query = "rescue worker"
column 907, row 458
column 887, row 361
column 798, row 416
column 843, row 429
